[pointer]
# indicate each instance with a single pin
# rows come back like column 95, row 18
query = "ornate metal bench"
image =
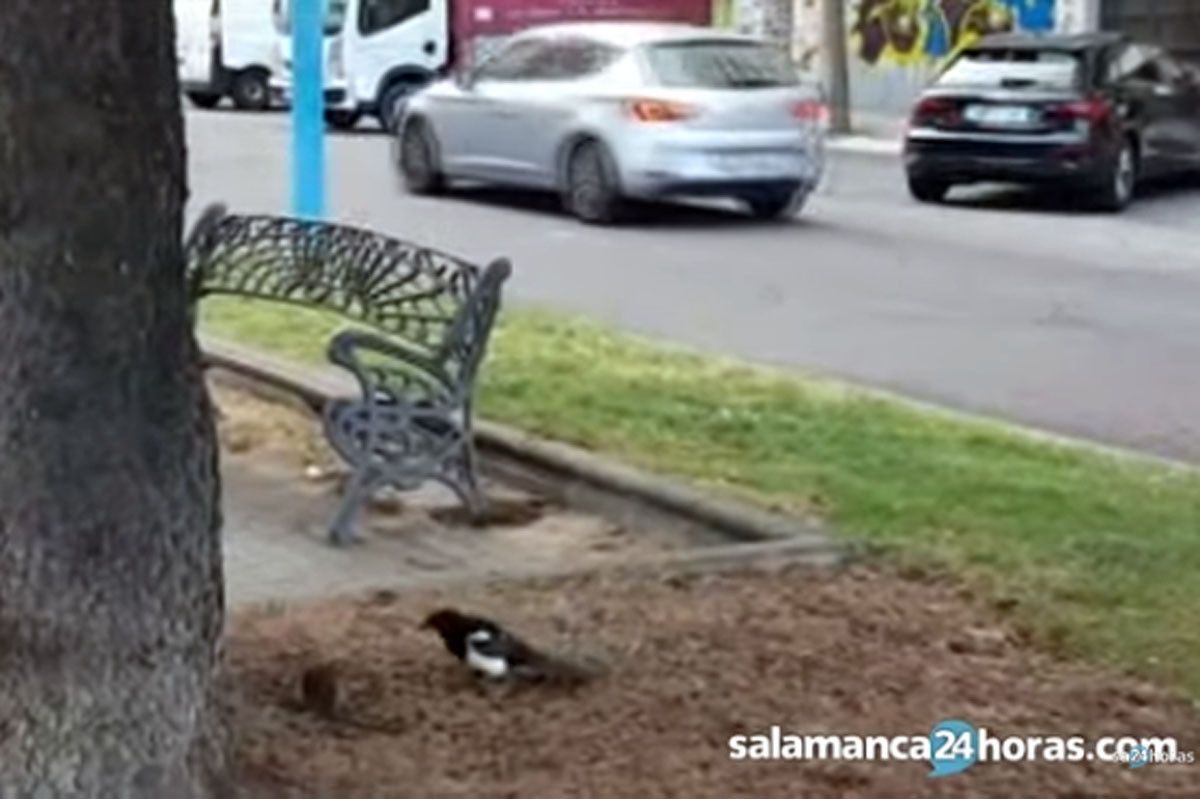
column 431, row 314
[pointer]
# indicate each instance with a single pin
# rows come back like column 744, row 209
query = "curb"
column 1114, row 452
column 866, row 145
column 760, row 557
column 734, row 520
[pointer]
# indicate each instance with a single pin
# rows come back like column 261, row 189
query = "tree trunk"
column 837, row 68
column 111, row 604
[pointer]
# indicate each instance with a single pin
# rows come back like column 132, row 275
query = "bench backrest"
column 428, row 299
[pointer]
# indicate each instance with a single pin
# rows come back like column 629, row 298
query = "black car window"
column 720, row 64
column 1014, row 68
column 378, row 15
column 520, row 60
column 571, row 59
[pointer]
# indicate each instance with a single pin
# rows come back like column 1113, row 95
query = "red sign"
column 475, row 18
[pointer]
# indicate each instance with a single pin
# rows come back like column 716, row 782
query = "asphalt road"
column 1002, row 303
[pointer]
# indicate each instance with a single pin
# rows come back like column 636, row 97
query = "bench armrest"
column 346, row 349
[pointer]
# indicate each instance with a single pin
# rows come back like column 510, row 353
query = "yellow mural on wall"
column 723, row 13
column 926, row 32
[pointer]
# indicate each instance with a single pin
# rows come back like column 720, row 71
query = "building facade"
column 897, row 46
column 1174, row 24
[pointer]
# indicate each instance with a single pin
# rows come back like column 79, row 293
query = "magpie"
column 496, row 654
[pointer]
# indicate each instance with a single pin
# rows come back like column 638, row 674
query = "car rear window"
column 1043, row 69
column 720, row 65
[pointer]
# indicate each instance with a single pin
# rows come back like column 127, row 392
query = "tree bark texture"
column 111, row 606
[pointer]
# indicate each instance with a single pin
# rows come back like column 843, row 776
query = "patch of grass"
column 1099, row 556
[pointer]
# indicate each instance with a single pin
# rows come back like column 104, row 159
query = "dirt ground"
column 270, row 424
column 692, row 661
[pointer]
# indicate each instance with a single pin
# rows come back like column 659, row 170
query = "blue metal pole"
column 308, row 109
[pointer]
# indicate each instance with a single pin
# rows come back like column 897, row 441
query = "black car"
column 1094, row 112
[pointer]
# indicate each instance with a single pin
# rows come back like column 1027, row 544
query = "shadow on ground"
column 1003, row 197
column 698, row 215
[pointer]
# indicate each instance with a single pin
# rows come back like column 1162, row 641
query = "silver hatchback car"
column 605, row 112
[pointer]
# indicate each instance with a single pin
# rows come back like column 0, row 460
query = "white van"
column 225, row 48
column 377, row 52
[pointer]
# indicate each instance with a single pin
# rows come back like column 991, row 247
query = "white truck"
column 225, row 49
column 377, row 52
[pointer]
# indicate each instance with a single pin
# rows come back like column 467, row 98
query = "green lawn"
column 1097, row 557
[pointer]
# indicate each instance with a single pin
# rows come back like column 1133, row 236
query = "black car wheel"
column 592, row 193
column 775, row 205
column 928, row 191
column 207, row 100
column 1120, row 181
column 251, row 91
column 419, row 159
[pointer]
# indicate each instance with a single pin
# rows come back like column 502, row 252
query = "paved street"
column 1019, row 307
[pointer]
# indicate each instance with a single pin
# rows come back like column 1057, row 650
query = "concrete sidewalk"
column 281, row 491
column 275, row 545
column 873, row 134
column 278, row 503
column 866, row 145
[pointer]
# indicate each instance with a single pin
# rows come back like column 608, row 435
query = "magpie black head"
column 454, row 627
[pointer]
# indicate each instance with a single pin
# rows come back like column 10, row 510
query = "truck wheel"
column 204, row 99
column 592, row 192
column 251, row 91
column 391, row 103
column 418, row 159
column 342, row 120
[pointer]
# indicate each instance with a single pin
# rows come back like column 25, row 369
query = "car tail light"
column 935, row 112
column 810, row 111
column 1096, row 111
column 660, row 111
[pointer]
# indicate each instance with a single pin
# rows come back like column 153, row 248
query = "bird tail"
column 569, row 671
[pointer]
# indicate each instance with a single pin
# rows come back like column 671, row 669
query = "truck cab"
column 376, row 53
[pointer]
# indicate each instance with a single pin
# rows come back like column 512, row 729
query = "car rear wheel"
column 592, row 192
column 1120, row 181
column 251, row 91
column 775, row 205
column 928, row 191
column 419, row 159
column 204, row 99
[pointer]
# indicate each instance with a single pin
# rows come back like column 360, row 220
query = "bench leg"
column 341, row 532
column 473, row 495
